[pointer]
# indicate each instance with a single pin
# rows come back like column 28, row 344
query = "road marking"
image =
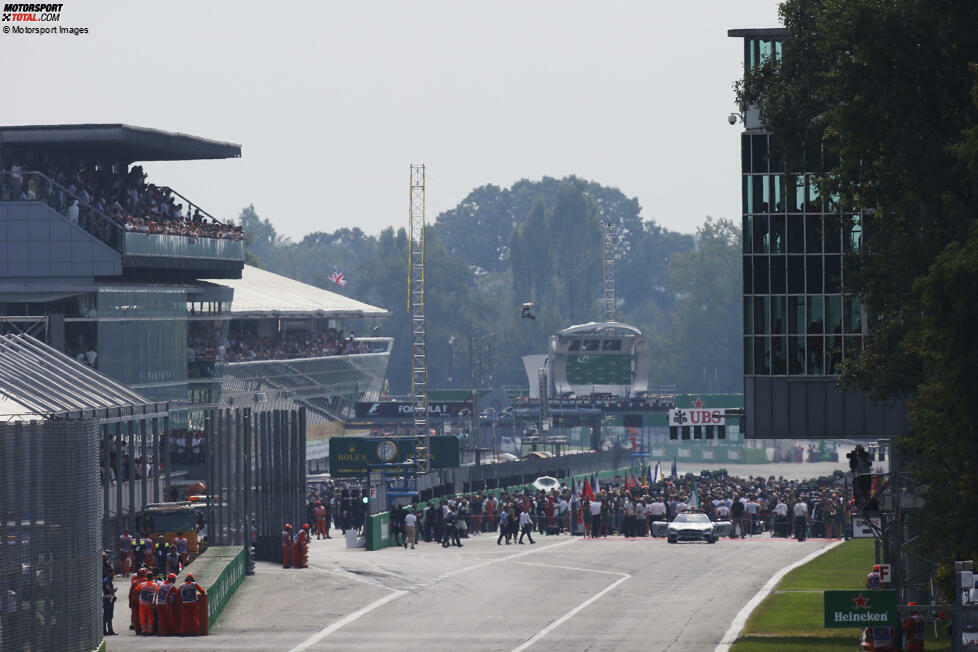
column 573, row 568
column 570, row 614
column 326, row 631
column 737, row 626
column 346, row 620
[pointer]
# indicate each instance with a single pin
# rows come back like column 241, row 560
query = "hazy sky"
column 332, row 101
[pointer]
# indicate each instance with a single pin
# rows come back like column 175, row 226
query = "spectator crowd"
column 125, row 198
column 247, row 346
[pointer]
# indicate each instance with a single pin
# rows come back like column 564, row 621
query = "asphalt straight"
column 562, row 593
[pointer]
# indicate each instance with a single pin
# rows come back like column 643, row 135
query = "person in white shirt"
column 410, row 525
column 781, row 518
column 801, row 519
column 595, row 508
column 526, row 527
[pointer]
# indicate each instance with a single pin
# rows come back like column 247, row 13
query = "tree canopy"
column 880, row 100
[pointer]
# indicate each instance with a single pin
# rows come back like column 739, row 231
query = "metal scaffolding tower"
column 419, row 349
column 609, row 251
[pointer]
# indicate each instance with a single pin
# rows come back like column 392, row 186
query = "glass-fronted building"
column 800, row 324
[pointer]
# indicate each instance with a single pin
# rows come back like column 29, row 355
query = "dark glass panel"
column 778, row 285
column 796, row 356
column 779, row 356
column 796, row 315
column 779, row 315
column 813, row 274
column 761, row 235
column 833, row 274
column 796, row 274
column 760, row 275
column 816, row 316
column 813, row 234
column 815, row 354
column 796, row 234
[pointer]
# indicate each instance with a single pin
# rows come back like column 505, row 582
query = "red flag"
column 587, row 493
column 634, row 483
column 626, row 483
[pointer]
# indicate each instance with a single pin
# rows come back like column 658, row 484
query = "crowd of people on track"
column 773, row 506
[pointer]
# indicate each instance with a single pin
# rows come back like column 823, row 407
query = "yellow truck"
column 169, row 519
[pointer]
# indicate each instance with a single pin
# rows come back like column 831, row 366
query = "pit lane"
column 562, row 593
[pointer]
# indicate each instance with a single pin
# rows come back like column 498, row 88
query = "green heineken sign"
column 860, row 609
column 352, row 456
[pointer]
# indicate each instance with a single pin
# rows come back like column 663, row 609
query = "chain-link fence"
column 50, row 552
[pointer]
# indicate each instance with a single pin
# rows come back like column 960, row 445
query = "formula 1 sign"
column 405, row 410
column 860, row 609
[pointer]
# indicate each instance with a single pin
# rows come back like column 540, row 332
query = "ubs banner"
column 860, row 609
column 350, row 456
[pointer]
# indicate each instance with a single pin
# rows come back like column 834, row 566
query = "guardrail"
column 220, row 591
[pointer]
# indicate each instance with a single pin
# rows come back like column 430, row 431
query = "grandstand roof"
column 37, row 381
column 259, row 293
column 115, row 142
column 601, row 328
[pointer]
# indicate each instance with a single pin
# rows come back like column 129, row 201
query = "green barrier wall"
column 222, row 577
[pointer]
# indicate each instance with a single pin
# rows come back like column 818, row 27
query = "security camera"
column 732, row 118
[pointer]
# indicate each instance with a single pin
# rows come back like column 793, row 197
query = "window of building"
column 779, row 356
column 762, row 356
column 762, row 315
column 833, row 355
column 853, row 315
column 833, row 274
column 813, row 234
column 796, row 234
column 813, row 274
column 760, row 275
column 816, row 316
column 815, row 366
column 748, row 315
column 796, row 315
column 745, row 152
column 778, row 315
column 611, row 345
column 778, row 243
column 853, row 235
column 757, row 192
column 814, row 201
column 833, row 314
column 748, row 275
column 833, row 234
column 748, row 356
column 758, row 153
column 778, row 285
column 796, row 193
column 796, row 274
column 796, row 356
column 761, row 235
column 591, row 345
column 575, row 345
column 748, row 233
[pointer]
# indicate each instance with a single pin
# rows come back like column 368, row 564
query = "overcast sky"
column 332, row 101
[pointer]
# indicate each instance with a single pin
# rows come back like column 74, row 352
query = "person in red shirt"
column 189, row 618
column 147, row 602
column 165, row 606
column 913, row 631
column 134, row 584
column 319, row 513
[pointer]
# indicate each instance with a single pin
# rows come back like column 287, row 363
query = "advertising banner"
column 351, row 456
column 860, row 609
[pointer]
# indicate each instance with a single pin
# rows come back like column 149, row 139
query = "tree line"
column 536, row 241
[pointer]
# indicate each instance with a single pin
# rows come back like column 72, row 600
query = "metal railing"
column 192, row 206
column 37, row 186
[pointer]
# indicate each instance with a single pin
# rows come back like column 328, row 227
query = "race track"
column 561, row 594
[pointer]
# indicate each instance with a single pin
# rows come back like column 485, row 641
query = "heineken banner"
column 351, row 456
column 861, row 609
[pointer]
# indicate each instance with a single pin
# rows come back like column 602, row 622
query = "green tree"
column 879, row 100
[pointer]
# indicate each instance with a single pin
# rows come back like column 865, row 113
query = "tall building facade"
column 800, row 323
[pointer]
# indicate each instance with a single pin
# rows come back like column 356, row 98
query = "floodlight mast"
column 419, row 348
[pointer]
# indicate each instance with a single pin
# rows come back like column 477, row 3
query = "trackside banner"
column 860, row 609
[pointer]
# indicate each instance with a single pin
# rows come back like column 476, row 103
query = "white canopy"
column 260, row 293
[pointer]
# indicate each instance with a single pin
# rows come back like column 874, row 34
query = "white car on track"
column 691, row 525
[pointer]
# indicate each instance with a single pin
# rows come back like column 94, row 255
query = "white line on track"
column 737, row 626
column 346, row 620
column 570, row 614
column 326, row 631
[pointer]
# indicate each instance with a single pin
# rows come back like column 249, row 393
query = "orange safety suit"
column 286, row 548
column 147, row 600
column 134, row 600
column 183, row 548
column 913, row 633
column 319, row 513
column 166, row 609
column 189, row 620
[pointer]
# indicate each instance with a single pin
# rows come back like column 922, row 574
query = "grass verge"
column 791, row 617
